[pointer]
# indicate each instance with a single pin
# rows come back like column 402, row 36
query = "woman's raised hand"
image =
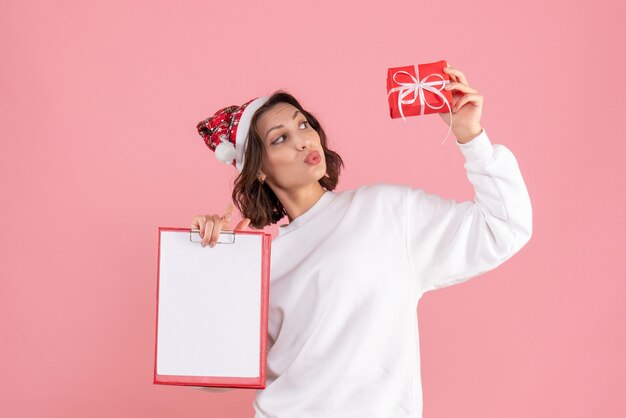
column 211, row 225
column 467, row 106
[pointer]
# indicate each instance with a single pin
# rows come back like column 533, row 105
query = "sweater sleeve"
column 449, row 242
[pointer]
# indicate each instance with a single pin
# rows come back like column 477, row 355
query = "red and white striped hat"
column 226, row 132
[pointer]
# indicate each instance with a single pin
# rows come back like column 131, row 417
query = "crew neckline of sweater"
column 321, row 204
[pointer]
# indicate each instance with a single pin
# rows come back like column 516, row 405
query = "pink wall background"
column 98, row 107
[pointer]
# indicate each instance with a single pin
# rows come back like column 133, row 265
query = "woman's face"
column 288, row 139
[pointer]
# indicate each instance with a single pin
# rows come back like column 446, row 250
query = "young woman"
column 349, row 268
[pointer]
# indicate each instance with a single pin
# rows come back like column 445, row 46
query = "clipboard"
column 212, row 309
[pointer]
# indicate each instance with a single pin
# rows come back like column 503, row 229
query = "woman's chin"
column 319, row 171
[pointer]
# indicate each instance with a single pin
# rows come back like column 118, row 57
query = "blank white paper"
column 209, row 307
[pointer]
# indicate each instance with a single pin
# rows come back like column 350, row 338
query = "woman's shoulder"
column 381, row 192
column 374, row 195
column 382, row 189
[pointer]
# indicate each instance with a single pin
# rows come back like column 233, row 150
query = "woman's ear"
column 261, row 176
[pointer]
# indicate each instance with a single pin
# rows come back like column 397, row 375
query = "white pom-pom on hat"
column 225, row 152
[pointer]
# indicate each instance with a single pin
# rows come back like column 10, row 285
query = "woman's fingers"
column 205, row 232
column 468, row 98
column 455, row 74
column 461, row 87
column 198, row 223
column 458, row 84
column 211, row 226
column 217, row 227
column 450, row 74
column 215, row 224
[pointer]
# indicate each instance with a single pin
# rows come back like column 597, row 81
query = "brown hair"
column 256, row 200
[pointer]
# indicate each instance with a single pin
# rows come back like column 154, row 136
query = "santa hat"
column 226, row 132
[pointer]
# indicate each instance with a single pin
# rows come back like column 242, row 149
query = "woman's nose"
column 304, row 142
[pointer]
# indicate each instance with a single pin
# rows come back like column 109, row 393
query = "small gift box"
column 415, row 90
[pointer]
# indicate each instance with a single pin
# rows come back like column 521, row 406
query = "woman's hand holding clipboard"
column 213, row 224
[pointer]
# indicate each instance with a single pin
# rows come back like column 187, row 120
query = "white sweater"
column 347, row 274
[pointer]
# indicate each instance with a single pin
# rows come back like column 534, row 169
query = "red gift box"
column 418, row 90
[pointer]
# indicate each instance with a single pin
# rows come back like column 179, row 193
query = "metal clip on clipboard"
column 230, row 234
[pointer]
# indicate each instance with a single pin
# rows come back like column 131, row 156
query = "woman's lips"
column 313, row 157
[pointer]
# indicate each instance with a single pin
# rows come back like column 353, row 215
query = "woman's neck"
column 298, row 201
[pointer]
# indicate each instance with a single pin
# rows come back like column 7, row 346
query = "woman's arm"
column 448, row 241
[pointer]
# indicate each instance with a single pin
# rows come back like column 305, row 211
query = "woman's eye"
column 276, row 140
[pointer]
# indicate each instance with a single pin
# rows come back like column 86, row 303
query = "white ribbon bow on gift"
column 418, row 87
